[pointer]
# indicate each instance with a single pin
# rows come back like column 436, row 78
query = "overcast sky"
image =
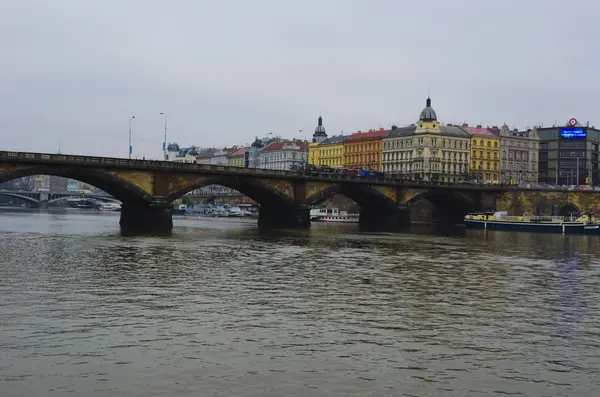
column 226, row 71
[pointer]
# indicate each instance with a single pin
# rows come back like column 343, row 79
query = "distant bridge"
column 42, row 199
column 147, row 189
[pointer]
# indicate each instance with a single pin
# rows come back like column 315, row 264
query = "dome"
column 320, row 130
column 320, row 135
column 428, row 114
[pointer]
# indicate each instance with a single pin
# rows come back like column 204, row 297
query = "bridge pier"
column 43, row 204
column 284, row 218
column 384, row 219
column 139, row 219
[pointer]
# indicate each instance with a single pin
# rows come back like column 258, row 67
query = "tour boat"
column 110, row 207
column 499, row 220
column 332, row 215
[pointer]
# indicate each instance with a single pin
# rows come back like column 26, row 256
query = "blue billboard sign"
column 573, row 133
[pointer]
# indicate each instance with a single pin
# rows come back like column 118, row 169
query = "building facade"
column 427, row 150
column 221, row 156
column 181, row 155
column 283, row 154
column 364, row 150
column 330, row 152
column 569, row 155
column 519, row 156
column 237, row 157
column 485, row 155
column 205, row 156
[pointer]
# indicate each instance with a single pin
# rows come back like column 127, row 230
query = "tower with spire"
column 320, row 135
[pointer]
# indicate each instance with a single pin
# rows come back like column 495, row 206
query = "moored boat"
column 332, row 215
column 499, row 220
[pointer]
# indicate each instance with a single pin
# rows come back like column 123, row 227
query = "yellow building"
column 485, row 154
column 236, row 158
column 329, row 152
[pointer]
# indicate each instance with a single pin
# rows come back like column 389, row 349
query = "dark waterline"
column 222, row 308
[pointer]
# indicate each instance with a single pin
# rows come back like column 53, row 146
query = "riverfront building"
column 569, row 155
column 281, row 155
column 519, row 155
column 319, row 137
column 364, row 150
column 237, row 157
column 485, row 154
column 427, row 150
column 330, row 152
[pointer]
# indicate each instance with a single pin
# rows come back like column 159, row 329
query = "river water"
column 222, row 309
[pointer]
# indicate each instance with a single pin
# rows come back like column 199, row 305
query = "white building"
column 219, row 157
column 282, row 155
column 185, row 155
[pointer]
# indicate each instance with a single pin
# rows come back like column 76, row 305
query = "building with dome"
column 319, row 136
column 427, row 150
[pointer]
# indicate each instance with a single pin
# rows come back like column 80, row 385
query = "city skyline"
column 76, row 73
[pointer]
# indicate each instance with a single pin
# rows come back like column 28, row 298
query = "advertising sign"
column 573, row 133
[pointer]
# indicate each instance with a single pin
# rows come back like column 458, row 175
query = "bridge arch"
column 258, row 191
column 114, row 185
column 20, row 197
column 363, row 195
column 448, row 206
column 377, row 211
column 568, row 209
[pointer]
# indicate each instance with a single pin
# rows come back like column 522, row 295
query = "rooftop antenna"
column 59, row 147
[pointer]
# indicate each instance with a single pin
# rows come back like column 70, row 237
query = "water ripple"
column 223, row 309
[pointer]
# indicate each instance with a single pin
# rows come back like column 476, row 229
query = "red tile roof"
column 479, row 131
column 280, row 145
column 239, row 152
column 368, row 135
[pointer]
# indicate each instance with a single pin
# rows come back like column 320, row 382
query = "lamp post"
column 130, row 147
column 165, row 141
column 305, row 148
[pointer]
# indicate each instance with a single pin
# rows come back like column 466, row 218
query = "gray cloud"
column 75, row 71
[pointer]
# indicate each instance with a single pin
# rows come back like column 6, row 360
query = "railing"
column 168, row 165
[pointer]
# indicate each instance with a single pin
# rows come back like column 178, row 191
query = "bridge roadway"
column 147, row 189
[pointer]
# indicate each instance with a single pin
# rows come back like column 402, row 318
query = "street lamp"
column 165, row 141
column 305, row 148
column 130, row 147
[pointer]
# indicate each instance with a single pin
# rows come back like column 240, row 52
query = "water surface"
column 223, row 309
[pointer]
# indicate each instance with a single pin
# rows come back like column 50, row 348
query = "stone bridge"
column 43, row 199
column 147, row 189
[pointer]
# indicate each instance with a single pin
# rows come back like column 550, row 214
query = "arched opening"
column 49, row 191
column 439, row 207
column 276, row 208
column 569, row 210
column 55, row 181
column 372, row 209
column 217, row 201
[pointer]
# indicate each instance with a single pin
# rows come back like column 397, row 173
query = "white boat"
column 332, row 215
column 110, row 206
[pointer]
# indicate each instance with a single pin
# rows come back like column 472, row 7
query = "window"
column 495, row 144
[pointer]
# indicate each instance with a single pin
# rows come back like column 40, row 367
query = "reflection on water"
column 222, row 308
